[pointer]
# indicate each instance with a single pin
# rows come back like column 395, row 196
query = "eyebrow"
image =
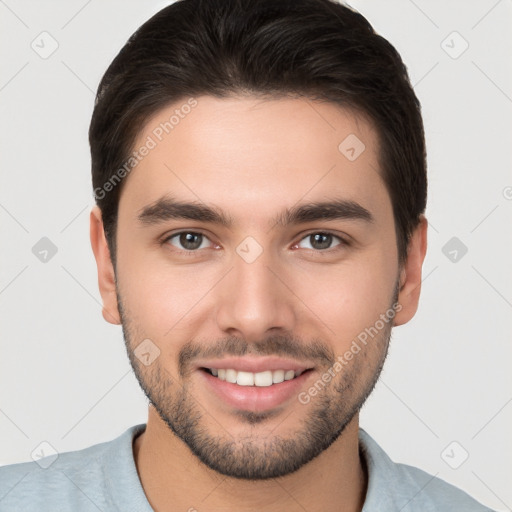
column 167, row 208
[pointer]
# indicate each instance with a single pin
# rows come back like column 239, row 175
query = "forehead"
column 248, row 154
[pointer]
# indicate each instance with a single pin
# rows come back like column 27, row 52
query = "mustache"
column 276, row 345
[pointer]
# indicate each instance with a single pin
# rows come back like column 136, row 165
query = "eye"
column 320, row 241
column 192, row 241
column 188, row 240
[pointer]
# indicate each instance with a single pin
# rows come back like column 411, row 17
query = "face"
column 254, row 254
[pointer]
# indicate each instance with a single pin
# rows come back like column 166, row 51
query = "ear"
column 106, row 275
column 410, row 274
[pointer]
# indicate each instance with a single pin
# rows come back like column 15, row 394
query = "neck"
column 174, row 479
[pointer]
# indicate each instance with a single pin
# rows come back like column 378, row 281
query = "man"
column 260, row 177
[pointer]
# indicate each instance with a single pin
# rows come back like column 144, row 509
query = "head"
column 260, row 177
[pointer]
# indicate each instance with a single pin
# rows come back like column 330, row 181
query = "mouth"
column 262, row 379
column 254, row 384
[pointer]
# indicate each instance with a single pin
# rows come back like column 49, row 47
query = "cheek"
column 160, row 296
column 351, row 297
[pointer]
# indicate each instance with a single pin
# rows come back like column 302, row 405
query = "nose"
column 255, row 299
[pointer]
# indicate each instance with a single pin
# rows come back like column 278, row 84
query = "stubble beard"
column 252, row 456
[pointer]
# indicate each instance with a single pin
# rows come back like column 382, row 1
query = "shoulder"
column 399, row 486
column 77, row 480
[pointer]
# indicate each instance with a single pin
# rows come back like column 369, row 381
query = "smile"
column 261, row 379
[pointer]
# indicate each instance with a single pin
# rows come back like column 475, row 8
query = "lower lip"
column 255, row 398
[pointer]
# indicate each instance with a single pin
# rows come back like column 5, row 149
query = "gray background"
column 64, row 375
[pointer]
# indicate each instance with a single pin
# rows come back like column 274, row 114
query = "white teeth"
column 289, row 375
column 261, row 379
column 278, row 376
column 231, row 376
column 245, row 378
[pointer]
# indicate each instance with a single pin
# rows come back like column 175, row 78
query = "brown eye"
column 321, row 241
column 188, row 240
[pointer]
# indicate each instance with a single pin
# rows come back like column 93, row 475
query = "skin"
column 290, row 156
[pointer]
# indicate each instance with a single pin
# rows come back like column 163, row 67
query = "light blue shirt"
column 103, row 477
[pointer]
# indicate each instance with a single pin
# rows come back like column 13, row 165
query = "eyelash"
column 343, row 243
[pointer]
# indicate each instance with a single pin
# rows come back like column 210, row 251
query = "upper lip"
column 255, row 364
